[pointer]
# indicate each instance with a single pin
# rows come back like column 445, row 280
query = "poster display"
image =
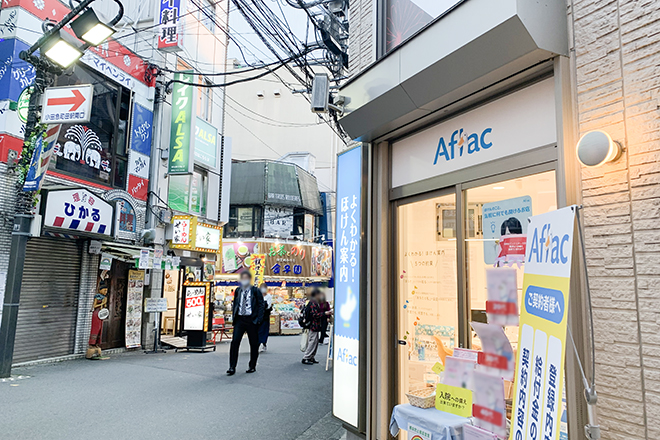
column 236, row 256
column 502, row 303
column 321, row 261
column 106, row 261
column 347, row 363
column 543, row 320
column 505, row 225
column 488, row 405
column 134, row 308
column 196, row 307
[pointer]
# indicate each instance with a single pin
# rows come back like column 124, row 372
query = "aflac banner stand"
column 537, row 402
column 348, row 363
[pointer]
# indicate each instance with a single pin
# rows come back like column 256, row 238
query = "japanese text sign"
column 206, row 143
column 183, row 230
column 347, row 364
column 453, row 400
column 67, row 105
column 170, row 25
column 196, row 307
column 78, row 210
column 208, row 237
column 542, row 338
column 180, row 160
column 258, row 268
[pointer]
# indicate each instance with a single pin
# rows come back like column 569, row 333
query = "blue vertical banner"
column 347, row 362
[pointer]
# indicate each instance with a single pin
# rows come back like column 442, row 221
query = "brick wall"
column 361, row 49
column 617, row 53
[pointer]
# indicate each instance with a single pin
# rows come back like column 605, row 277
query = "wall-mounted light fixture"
column 596, row 148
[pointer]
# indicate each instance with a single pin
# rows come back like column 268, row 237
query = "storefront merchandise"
column 134, row 308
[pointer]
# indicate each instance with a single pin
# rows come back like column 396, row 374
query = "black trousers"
column 242, row 325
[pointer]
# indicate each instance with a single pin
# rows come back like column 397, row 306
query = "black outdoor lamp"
column 90, row 29
column 62, row 48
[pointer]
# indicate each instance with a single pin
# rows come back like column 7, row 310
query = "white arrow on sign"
column 67, row 105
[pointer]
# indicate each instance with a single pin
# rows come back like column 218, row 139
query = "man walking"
column 248, row 311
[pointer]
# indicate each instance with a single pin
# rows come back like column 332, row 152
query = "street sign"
column 67, row 105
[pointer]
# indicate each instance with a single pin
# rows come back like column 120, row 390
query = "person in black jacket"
column 248, row 312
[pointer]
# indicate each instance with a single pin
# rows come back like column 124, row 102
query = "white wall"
column 270, row 127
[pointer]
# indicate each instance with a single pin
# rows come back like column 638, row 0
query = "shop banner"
column 43, row 151
column 79, row 211
column 134, row 308
column 170, row 36
column 347, row 363
column 288, row 260
column 257, row 268
column 543, row 320
column 181, row 135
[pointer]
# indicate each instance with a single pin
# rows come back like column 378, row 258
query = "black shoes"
column 251, row 370
column 231, row 371
column 308, row 362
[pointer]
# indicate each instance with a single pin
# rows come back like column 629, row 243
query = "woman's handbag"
column 303, row 340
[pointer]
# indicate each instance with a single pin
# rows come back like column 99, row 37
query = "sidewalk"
column 173, row 396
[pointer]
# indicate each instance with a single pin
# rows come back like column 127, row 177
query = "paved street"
column 172, row 396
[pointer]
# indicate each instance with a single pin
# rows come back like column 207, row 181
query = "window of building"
column 204, row 100
column 189, row 192
column 244, row 222
column 96, row 151
column 404, row 18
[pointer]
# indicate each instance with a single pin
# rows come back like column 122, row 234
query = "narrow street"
column 173, row 396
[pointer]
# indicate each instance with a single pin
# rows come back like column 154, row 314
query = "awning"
column 123, row 252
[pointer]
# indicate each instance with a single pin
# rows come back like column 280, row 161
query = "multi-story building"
column 118, row 162
column 469, row 105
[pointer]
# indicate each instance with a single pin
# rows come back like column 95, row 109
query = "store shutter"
column 49, row 300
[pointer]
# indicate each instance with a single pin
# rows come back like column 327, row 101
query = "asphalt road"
column 172, row 396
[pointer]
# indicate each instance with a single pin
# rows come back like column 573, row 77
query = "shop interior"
column 428, row 275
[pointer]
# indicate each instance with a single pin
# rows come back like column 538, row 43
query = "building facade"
column 116, row 164
column 465, row 109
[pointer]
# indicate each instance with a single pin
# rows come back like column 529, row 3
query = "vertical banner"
column 139, row 156
column 43, row 150
column 170, row 25
column 347, row 362
column 258, row 268
column 181, row 161
column 543, row 320
column 134, row 308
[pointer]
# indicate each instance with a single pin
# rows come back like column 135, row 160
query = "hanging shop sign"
column 78, row 210
column 188, row 233
column 347, row 378
column 71, row 104
column 258, row 268
column 180, row 160
column 170, row 26
column 278, row 221
column 543, row 320
column 521, row 121
column 139, row 156
column 206, row 143
column 134, row 308
column 44, row 145
column 196, row 311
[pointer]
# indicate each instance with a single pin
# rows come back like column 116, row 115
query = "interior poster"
column 347, row 362
column 541, row 343
column 134, row 308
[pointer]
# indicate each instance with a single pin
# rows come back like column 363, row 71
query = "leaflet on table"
column 496, row 356
column 473, row 433
column 458, row 372
column 502, row 304
column 488, row 406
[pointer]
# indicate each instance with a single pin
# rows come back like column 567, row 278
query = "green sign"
column 178, row 196
column 182, row 113
column 206, row 143
column 23, row 104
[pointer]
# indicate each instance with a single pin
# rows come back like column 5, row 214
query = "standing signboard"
column 134, row 308
column 349, row 361
column 196, row 306
column 71, row 104
column 543, row 320
column 180, row 160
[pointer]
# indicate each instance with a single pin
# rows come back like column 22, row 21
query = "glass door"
column 427, row 289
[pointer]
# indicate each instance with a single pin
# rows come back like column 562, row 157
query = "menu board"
column 196, row 307
column 134, row 308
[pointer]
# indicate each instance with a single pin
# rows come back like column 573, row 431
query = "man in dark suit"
column 248, row 311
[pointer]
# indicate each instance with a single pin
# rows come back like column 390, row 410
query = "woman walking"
column 265, row 324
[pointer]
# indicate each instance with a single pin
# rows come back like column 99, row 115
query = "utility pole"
column 46, row 72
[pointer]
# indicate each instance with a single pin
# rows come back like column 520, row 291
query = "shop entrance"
column 446, row 242
column 114, row 327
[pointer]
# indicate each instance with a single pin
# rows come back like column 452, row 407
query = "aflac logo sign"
column 546, row 247
column 460, row 143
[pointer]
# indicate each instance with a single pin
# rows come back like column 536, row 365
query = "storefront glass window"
column 427, row 288
column 500, row 218
column 405, row 17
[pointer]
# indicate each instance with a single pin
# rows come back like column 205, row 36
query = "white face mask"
column 245, row 282
column 264, row 290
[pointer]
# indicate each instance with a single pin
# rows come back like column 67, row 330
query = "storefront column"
column 149, row 319
column 89, row 265
column 381, row 329
column 569, row 193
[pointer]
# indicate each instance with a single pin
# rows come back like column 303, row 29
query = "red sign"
column 195, row 301
column 487, row 415
column 501, row 308
column 138, row 187
column 492, row 360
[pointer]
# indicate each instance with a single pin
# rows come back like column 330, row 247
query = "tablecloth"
column 442, row 425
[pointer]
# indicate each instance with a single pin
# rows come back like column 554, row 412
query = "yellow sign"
column 438, row 368
column 258, row 268
column 543, row 319
column 453, row 400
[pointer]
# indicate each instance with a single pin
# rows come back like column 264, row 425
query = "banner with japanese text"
column 543, row 319
column 347, row 362
column 180, row 159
